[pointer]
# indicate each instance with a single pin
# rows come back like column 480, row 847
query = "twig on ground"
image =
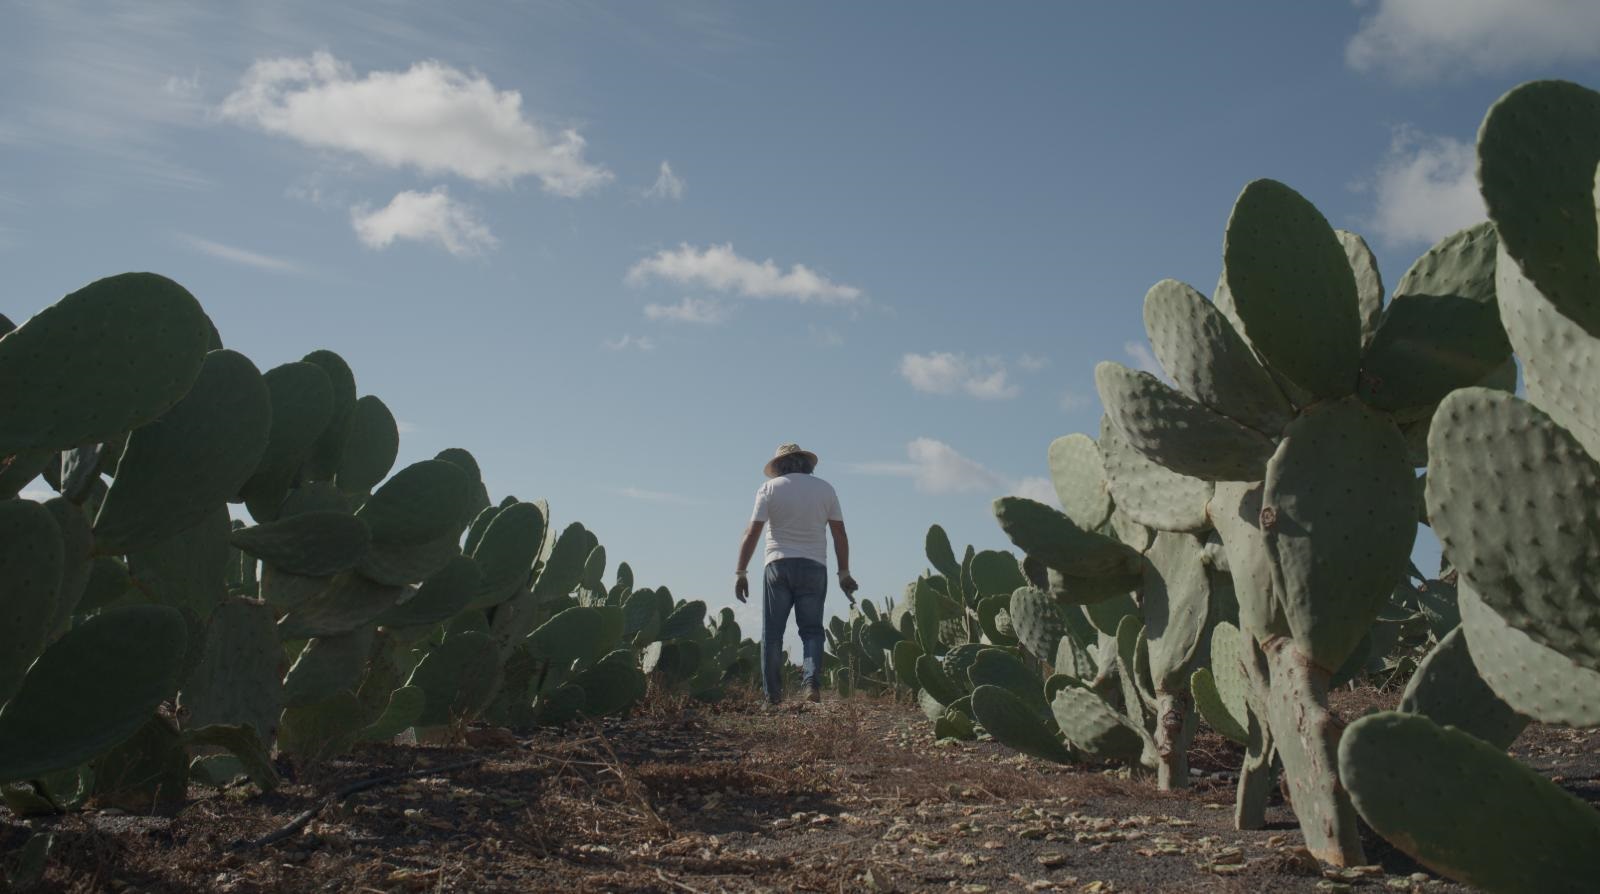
column 676, row 884
column 305, row 818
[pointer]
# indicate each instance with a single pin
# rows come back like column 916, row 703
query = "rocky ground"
column 844, row 796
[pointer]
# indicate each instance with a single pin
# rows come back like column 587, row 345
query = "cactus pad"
column 1051, row 537
column 1560, row 361
column 370, row 448
column 180, row 468
column 1149, row 493
column 1533, row 679
column 1015, row 725
column 1514, row 497
column 1448, row 690
column 313, row 544
column 1099, row 731
column 108, row 358
column 1464, row 809
column 91, row 690
column 1208, row 360
column 1293, row 288
column 1175, row 430
column 302, row 406
column 31, row 562
column 1339, row 516
column 1077, row 474
column 1536, row 161
column 1177, row 607
column 1369, row 282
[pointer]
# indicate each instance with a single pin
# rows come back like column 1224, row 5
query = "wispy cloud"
column 946, row 373
column 689, row 310
column 1425, row 188
column 1072, row 400
column 935, row 467
column 1424, row 40
column 667, row 186
column 629, row 342
column 653, row 496
column 430, row 117
column 825, row 336
column 424, row 217
column 721, row 269
column 405, row 428
column 1033, row 362
column 1143, row 358
column 237, row 255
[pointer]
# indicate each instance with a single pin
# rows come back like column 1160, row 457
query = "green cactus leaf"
column 1448, row 690
column 91, row 690
column 323, row 461
column 993, row 612
column 1293, row 288
column 1106, row 616
column 402, row 712
column 1039, row 622
column 459, row 677
column 313, row 544
column 937, row 683
column 244, row 744
column 1050, row 536
column 1176, row 431
column 1513, row 498
column 906, row 653
column 1537, row 150
column 1076, row 471
column 32, row 558
column 181, row 467
column 998, row 667
column 613, row 685
column 313, row 734
column 348, row 602
column 1236, row 511
column 148, row 772
column 576, row 634
column 1442, row 330
column 1016, row 725
column 1560, row 361
column 1338, row 516
column 421, row 503
column 1208, row 701
column 77, row 544
column 1208, row 360
column 1073, row 658
column 1464, row 809
column 686, row 621
column 1369, row 282
column 1128, row 531
column 302, row 407
column 1177, row 607
column 505, row 552
column 954, row 725
column 940, row 555
column 186, row 570
column 399, row 564
column 20, row 469
column 1151, row 494
column 996, row 573
column 326, row 665
column 1098, row 730
column 238, row 678
column 480, row 524
column 1532, row 679
column 370, row 447
column 106, row 359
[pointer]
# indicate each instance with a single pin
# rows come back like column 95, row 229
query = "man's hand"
column 741, row 589
column 849, row 586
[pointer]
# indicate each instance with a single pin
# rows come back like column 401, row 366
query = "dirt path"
column 844, row 796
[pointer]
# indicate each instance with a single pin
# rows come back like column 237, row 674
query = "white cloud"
column 946, row 373
column 936, row 468
column 1039, row 489
column 689, row 310
column 628, row 341
column 405, row 428
column 1422, row 40
column 238, row 255
column 825, row 337
column 720, row 268
column 1033, row 362
column 667, row 186
column 652, row 496
column 1143, row 358
column 423, row 217
column 1426, row 188
column 1073, row 400
column 431, row 117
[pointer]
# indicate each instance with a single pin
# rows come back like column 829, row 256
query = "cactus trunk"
column 1175, row 728
column 1255, row 780
column 1307, row 736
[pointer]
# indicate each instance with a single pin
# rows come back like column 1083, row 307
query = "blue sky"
column 621, row 251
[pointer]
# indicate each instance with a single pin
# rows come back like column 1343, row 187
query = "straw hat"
column 787, row 450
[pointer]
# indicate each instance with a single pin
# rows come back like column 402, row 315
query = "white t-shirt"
column 797, row 508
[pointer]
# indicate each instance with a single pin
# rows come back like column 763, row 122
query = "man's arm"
column 747, row 548
column 841, row 548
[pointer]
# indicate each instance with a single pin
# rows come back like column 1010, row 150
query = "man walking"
column 798, row 506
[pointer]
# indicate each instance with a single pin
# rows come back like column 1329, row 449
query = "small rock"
column 1052, row 860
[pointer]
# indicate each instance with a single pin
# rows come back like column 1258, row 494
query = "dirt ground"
column 849, row 795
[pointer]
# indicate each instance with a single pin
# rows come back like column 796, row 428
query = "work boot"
column 814, row 696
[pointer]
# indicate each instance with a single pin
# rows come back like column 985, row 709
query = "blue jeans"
column 801, row 585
